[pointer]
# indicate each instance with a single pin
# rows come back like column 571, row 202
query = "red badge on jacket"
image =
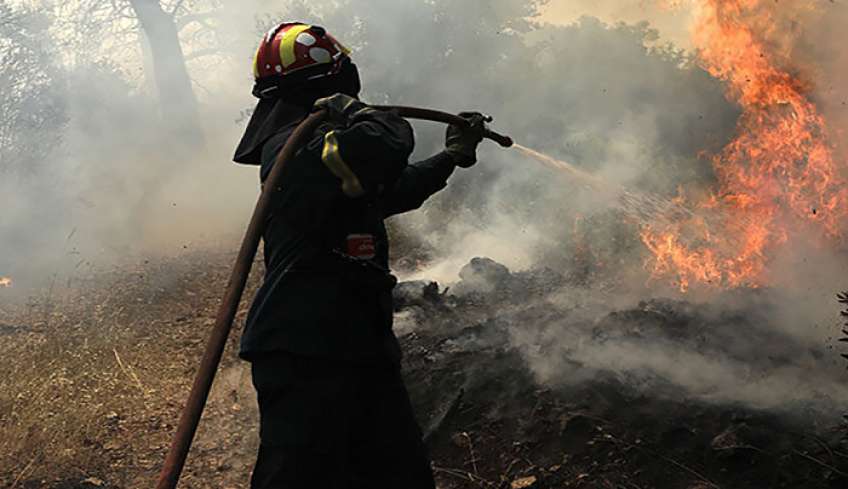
column 361, row 246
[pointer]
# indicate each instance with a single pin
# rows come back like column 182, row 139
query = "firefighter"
column 334, row 411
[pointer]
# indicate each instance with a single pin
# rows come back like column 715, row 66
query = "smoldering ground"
column 731, row 351
column 613, row 99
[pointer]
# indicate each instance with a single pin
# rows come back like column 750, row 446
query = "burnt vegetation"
column 551, row 377
column 101, row 370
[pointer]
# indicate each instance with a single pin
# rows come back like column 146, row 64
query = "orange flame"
column 777, row 175
column 5, row 282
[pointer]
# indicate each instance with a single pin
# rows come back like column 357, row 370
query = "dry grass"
column 94, row 377
column 94, row 372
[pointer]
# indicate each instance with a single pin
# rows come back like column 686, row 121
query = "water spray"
column 642, row 207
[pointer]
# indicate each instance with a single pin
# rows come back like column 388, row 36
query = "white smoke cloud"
column 605, row 97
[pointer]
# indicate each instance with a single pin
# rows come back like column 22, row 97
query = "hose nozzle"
column 438, row 116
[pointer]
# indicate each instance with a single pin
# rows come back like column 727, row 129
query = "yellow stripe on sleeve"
column 331, row 157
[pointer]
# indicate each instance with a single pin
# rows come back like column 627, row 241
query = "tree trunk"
column 176, row 97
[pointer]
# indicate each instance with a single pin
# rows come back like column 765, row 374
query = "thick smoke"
column 118, row 180
column 108, row 176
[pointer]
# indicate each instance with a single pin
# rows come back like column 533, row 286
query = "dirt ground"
column 93, row 374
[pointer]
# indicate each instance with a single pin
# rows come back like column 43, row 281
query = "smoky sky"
column 113, row 180
column 95, row 172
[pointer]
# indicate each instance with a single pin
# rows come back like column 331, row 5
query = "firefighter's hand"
column 461, row 141
column 339, row 107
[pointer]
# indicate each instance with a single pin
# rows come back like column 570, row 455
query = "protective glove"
column 461, row 141
column 340, row 107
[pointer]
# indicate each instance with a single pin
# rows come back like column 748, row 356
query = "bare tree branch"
column 177, row 6
column 201, row 18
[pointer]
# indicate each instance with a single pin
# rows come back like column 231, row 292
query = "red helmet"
column 293, row 52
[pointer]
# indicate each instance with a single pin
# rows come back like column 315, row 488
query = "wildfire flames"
column 777, row 176
column 5, row 282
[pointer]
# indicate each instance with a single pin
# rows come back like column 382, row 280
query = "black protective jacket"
column 316, row 299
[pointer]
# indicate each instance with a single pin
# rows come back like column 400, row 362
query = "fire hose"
column 187, row 426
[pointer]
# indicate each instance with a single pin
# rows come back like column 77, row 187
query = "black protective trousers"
column 326, row 425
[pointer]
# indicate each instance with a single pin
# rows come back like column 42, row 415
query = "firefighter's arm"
column 423, row 179
column 417, row 183
column 369, row 148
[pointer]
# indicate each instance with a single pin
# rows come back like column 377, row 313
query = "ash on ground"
column 533, row 375
column 531, row 379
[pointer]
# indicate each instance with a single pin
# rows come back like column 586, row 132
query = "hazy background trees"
column 159, row 36
column 119, row 118
column 31, row 98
